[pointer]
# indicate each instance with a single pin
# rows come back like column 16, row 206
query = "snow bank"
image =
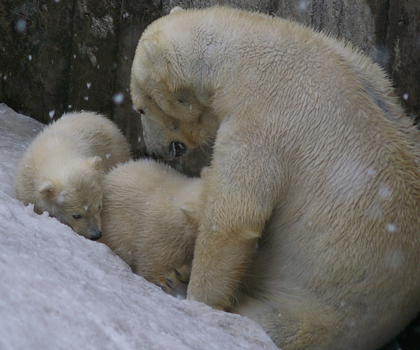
column 59, row 290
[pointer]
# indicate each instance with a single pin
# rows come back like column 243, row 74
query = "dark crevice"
column 118, row 39
column 382, row 23
column 274, row 7
column 386, row 22
column 340, row 21
column 317, row 15
column 72, row 52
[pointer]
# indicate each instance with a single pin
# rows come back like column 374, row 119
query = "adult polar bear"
column 313, row 156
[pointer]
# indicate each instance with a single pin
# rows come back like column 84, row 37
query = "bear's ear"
column 155, row 54
column 95, row 163
column 46, row 189
column 176, row 9
column 150, row 49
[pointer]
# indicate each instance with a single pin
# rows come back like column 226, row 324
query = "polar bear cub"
column 148, row 220
column 61, row 171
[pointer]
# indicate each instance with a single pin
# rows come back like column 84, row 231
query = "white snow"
column 59, row 290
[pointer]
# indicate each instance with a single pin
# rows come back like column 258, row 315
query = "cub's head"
column 74, row 197
column 175, row 111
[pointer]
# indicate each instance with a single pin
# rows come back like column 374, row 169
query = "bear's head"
column 74, row 196
column 175, row 112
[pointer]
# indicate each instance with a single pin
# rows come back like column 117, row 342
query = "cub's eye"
column 180, row 101
column 141, row 111
column 173, row 126
column 77, row 216
column 100, row 207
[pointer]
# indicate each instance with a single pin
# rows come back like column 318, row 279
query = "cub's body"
column 146, row 218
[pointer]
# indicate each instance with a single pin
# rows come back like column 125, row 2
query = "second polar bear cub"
column 148, row 219
column 61, row 171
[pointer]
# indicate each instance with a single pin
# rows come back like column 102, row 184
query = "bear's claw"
column 176, row 281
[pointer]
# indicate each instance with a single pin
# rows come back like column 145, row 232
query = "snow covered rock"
column 59, row 290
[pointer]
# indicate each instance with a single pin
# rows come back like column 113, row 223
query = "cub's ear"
column 46, row 189
column 190, row 212
column 176, row 9
column 95, row 163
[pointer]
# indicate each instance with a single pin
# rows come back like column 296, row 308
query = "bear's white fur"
column 147, row 219
column 61, row 171
column 313, row 149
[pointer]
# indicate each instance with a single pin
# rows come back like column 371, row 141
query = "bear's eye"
column 140, row 110
column 180, row 101
column 100, row 207
column 77, row 216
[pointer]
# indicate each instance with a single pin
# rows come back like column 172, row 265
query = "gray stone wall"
column 63, row 55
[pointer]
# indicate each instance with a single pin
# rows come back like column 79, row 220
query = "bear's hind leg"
column 293, row 323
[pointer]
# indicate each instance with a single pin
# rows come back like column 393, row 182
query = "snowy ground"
column 59, row 290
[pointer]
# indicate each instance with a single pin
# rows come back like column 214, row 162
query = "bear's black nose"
column 177, row 149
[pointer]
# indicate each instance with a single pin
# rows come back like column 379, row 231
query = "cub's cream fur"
column 148, row 220
column 313, row 157
column 61, row 171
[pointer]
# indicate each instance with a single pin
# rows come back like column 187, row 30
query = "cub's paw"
column 176, row 281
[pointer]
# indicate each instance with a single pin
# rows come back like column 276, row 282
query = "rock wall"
column 58, row 56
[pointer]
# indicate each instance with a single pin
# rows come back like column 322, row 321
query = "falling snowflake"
column 391, row 228
column 118, row 98
column 21, row 26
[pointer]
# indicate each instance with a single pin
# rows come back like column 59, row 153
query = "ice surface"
column 59, row 290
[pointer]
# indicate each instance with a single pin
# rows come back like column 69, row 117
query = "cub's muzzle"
column 95, row 235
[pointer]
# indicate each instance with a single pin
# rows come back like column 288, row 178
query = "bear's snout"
column 177, row 149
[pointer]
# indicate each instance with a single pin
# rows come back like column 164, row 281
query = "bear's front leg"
column 237, row 202
column 219, row 262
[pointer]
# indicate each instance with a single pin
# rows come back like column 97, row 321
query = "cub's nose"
column 177, row 149
column 96, row 235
